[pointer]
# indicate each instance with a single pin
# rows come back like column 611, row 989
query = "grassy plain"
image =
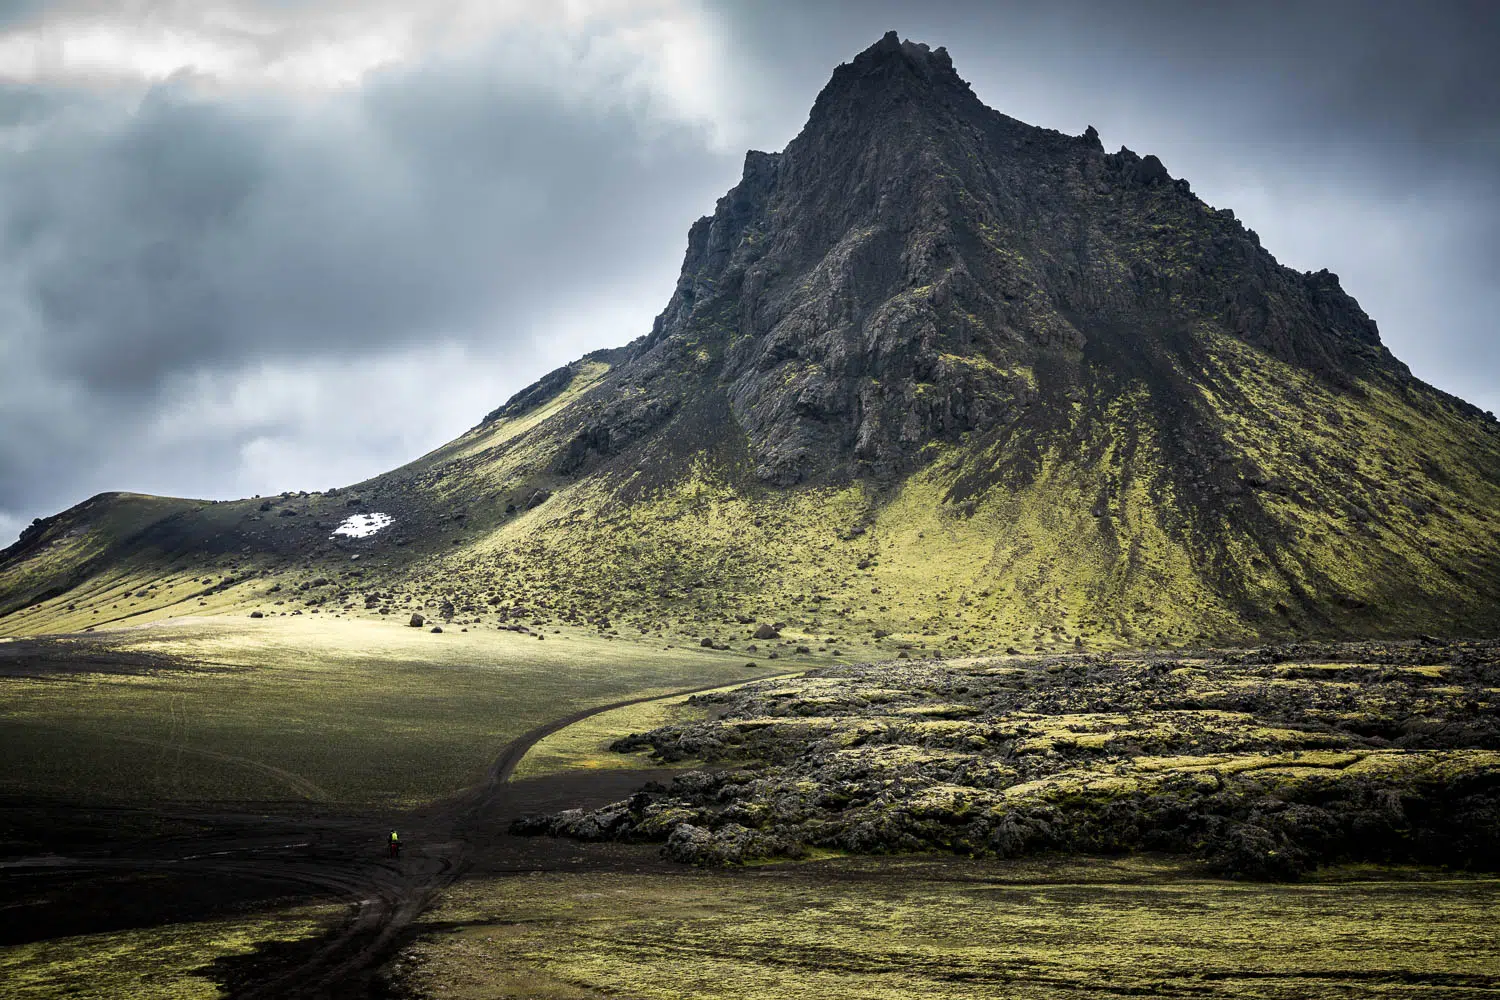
column 945, row 928
column 336, row 711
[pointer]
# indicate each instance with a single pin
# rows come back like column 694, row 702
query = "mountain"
column 931, row 378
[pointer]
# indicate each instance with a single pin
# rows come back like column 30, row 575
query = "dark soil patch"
column 55, row 655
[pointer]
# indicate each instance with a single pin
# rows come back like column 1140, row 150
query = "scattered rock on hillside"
column 767, row 632
column 417, row 621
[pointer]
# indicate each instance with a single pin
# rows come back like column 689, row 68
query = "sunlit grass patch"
column 339, row 711
column 898, row 928
column 585, row 745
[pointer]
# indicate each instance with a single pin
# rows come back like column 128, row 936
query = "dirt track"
column 223, row 859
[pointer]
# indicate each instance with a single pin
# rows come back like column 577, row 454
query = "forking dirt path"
column 341, row 857
column 443, row 836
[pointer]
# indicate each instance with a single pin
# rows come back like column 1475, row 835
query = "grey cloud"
column 1407, row 72
column 1391, row 73
column 204, row 232
column 17, row 11
column 443, row 208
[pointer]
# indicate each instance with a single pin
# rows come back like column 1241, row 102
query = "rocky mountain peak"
column 894, row 60
column 892, row 80
column 915, row 267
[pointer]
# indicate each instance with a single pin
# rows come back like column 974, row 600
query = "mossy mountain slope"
column 931, row 378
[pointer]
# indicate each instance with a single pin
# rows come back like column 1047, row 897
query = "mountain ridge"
column 922, row 320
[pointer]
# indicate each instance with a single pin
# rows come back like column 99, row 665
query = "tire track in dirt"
column 291, row 779
column 347, row 961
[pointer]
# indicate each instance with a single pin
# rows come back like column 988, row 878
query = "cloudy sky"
column 257, row 245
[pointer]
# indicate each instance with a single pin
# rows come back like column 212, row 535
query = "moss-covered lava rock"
column 1268, row 762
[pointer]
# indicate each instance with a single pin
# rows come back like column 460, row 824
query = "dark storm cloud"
column 200, row 232
column 1403, row 73
column 12, row 11
column 169, row 249
column 1413, row 87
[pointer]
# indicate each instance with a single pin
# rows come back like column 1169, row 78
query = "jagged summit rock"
column 889, row 66
column 945, row 378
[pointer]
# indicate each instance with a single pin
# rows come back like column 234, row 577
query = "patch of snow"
column 362, row 525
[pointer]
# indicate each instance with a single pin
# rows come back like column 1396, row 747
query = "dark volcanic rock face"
column 916, row 267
